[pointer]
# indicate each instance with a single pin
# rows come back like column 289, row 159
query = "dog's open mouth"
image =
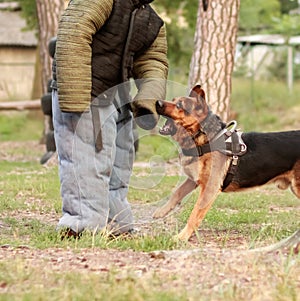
column 168, row 128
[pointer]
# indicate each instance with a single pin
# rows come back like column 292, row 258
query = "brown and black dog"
column 217, row 158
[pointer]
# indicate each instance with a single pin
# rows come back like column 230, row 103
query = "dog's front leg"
column 213, row 171
column 183, row 190
column 199, row 211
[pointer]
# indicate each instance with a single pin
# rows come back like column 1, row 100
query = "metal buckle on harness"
column 232, row 135
column 226, row 131
column 243, row 146
column 232, row 124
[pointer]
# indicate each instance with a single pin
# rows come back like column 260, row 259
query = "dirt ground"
column 205, row 265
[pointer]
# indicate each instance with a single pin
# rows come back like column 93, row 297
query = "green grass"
column 20, row 126
column 67, row 286
column 264, row 105
column 28, row 185
column 256, row 216
column 155, row 146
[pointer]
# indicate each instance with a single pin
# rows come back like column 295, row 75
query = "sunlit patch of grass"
column 151, row 192
column 20, row 182
column 263, row 105
column 27, row 282
column 20, row 126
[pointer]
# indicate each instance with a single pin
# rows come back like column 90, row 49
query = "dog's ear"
column 199, row 94
column 197, row 91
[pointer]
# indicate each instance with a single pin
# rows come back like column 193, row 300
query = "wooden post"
column 21, row 105
column 290, row 75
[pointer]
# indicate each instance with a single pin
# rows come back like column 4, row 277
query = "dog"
column 218, row 158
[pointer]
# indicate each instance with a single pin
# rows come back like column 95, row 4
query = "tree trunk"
column 48, row 12
column 213, row 58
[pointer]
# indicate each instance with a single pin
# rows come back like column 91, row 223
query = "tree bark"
column 48, row 12
column 213, row 58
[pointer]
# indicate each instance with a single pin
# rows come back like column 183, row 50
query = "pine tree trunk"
column 48, row 15
column 213, row 58
column 48, row 12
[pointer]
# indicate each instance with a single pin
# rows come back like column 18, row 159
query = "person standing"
column 101, row 45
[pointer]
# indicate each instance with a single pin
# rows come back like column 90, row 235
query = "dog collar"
column 209, row 125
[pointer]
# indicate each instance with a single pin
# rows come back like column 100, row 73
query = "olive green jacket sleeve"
column 151, row 72
column 153, row 66
column 79, row 22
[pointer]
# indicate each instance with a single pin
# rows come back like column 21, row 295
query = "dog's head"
column 187, row 112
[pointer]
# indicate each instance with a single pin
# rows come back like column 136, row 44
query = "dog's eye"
column 179, row 105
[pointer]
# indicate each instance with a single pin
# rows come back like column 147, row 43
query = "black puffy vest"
column 131, row 28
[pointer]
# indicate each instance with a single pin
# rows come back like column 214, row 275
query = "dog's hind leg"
column 183, row 190
column 295, row 182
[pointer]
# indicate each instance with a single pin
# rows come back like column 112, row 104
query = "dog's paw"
column 184, row 235
column 161, row 212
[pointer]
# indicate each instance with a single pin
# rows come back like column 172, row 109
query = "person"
column 101, row 45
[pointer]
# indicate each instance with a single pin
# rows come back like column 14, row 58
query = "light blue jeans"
column 94, row 185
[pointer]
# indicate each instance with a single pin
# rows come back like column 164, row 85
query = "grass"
column 264, row 215
column 20, row 126
column 54, row 286
column 160, row 148
column 264, row 105
column 30, row 206
column 26, row 185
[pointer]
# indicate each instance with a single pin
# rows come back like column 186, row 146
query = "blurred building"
column 18, row 50
column 257, row 53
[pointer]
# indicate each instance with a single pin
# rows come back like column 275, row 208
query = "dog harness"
column 228, row 141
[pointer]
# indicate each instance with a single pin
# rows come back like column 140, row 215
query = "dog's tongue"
column 167, row 128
